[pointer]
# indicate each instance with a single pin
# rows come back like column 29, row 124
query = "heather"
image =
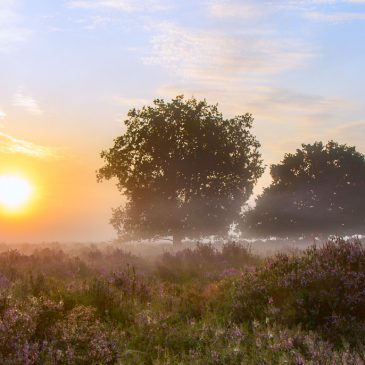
column 202, row 304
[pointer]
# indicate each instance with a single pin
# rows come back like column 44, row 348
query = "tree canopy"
column 183, row 168
column 319, row 189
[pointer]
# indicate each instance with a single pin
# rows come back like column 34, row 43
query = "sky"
column 71, row 69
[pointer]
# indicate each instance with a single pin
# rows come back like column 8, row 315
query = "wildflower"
column 299, row 360
column 4, row 282
column 236, row 333
column 215, row 356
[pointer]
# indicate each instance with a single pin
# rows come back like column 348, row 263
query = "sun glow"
column 15, row 192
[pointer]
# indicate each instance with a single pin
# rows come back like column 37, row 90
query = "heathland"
column 202, row 304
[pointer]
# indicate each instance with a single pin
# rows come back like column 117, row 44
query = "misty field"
column 100, row 304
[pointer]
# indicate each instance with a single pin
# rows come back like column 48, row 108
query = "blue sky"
column 71, row 69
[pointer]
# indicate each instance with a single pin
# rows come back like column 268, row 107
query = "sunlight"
column 15, row 192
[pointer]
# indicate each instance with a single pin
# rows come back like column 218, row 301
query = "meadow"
column 102, row 304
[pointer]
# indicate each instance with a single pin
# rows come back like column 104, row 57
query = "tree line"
column 186, row 171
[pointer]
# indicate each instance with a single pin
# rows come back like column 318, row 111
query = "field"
column 204, row 304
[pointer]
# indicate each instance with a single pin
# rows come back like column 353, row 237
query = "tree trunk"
column 177, row 239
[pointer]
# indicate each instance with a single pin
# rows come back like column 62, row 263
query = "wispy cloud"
column 2, row 116
column 206, row 56
column 267, row 102
column 327, row 10
column 107, row 13
column 11, row 31
column 95, row 21
column 27, row 102
column 12, row 145
column 121, row 5
column 338, row 17
column 284, row 118
column 315, row 10
column 279, row 100
column 230, row 9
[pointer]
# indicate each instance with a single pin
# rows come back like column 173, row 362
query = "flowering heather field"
column 196, row 306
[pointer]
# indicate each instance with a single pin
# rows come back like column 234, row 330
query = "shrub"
column 204, row 262
column 324, row 289
column 82, row 339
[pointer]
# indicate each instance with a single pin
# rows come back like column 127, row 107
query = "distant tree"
column 184, row 170
column 319, row 189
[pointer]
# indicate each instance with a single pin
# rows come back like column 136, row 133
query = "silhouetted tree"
column 319, row 189
column 184, row 170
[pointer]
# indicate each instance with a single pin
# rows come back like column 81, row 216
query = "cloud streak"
column 314, row 10
column 338, row 17
column 11, row 32
column 229, row 9
column 12, row 145
column 27, row 103
column 128, row 6
column 205, row 56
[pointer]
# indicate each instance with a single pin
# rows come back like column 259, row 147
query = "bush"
column 204, row 263
column 322, row 289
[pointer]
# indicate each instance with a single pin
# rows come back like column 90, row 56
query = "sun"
column 15, row 192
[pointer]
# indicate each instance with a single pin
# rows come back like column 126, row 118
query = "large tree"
column 183, row 168
column 318, row 189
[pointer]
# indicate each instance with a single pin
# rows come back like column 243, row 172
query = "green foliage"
column 184, row 169
column 319, row 189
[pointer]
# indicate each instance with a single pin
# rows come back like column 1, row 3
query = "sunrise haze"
column 71, row 69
